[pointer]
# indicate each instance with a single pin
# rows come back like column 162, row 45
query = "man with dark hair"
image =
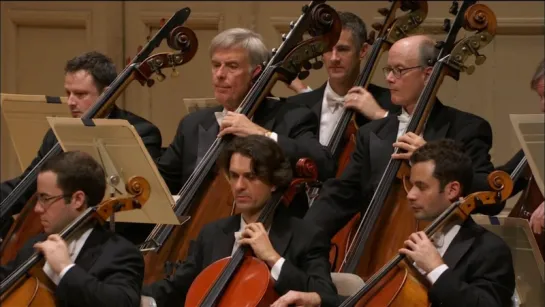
column 86, row 77
column 343, row 68
column 295, row 251
column 465, row 264
column 341, row 198
column 96, row 267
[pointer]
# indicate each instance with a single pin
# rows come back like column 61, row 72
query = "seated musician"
column 236, row 55
column 466, row 265
column 295, row 251
column 86, row 77
column 537, row 219
column 407, row 73
column 97, row 268
column 343, row 69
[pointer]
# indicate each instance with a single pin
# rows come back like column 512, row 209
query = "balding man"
column 407, row 73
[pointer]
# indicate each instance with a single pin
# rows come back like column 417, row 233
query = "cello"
column 342, row 141
column 28, row 285
column 529, row 200
column 206, row 195
column 399, row 283
column 368, row 250
column 242, row 279
column 141, row 69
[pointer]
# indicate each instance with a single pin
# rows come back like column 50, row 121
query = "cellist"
column 406, row 73
column 235, row 56
column 465, row 264
column 98, row 268
column 295, row 251
column 537, row 219
column 86, row 77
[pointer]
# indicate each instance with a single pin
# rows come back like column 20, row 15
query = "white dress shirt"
column 221, row 115
column 73, row 249
column 277, row 267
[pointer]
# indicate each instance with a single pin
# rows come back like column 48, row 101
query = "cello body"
column 31, row 293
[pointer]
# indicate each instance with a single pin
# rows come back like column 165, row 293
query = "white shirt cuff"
column 305, row 90
column 434, row 275
column 68, row 267
column 386, row 115
column 274, row 136
column 277, row 267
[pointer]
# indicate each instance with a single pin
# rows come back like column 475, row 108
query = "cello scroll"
column 139, row 193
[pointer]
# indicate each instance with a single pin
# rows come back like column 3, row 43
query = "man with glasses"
column 407, row 73
column 97, row 267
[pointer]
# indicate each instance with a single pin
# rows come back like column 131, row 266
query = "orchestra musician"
column 86, row 77
column 465, row 264
column 97, row 268
column 343, row 68
column 407, row 72
column 296, row 251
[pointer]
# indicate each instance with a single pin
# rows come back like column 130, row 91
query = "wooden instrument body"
column 253, row 280
column 216, row 202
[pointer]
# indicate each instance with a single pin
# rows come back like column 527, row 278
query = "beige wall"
column 39, row 36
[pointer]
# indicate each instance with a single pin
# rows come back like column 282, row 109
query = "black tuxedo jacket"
column 151, row 137
column 303, row 246
column 313, row 100
column 109, row 271
column 510, row 167
column 341, row 198
column 294, row 125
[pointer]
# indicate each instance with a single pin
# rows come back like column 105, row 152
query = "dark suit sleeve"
column 170, row 163
column 510, row 167
column 341, row 198
column 329, row 300
column 151, row 137
column 302, row 142
column 120, row 284
column 171, row 291
column 490, row 282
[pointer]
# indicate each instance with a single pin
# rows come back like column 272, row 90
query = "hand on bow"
column 422, row 251
column 239, row 125
column 55, row 252
column 299, row 299
column 256, row 236
column 409, row 142
column 537, row 220
column 360, row 100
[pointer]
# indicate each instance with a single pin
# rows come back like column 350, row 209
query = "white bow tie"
column 404, row 118
column 334, row 101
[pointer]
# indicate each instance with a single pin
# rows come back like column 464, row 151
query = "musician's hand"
column 256, row 236
column 361, row 101
column 537, row 220
column 409, row 142
column 303, row 299
column 55, row 252
column 297, row 86
column 239, row 125
column 420, row 249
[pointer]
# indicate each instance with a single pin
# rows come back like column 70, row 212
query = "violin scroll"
column 139, row 192
column 480, row 17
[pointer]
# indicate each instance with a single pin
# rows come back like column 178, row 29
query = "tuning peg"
column 160, row 76
column 174, row 72
column 139, row 48
column 307, row 65
column 150, row 82
column 453, row 8
column 305, row 8
column 377, row 26
column 317, row 65
column 303, row 75
column 292, row 24
column 273, row 51
column 479, row 58
column 129, row 60
column 446, row 25
column 162, row 22
column 468, row 69
column 383, row 11
column 371, row 37
column 284, row 36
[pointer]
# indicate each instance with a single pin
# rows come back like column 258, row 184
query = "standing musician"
column 98, row 268
column 236, row 55
column 296, row 251
column 343, row 68
column 465, row 265
column 537, row 219
column 407, row 73
column 86, row 77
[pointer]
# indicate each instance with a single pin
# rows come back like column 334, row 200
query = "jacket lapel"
column 223, row 243
column 264, row 116
column 92, row 248
column 438, row 123
column 380, row 143
column 460, row 244
column 207, row 132
column 280, row 233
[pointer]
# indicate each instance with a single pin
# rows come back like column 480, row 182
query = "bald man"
column 407, row 73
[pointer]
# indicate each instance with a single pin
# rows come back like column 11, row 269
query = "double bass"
column 398, row 282
column 141, row 69
column 343, row 139
column 206, row 195
column 28, row 285
column 388, row 215
column 242, row 279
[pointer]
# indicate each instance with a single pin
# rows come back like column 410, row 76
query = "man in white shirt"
column 96, row 267
column 295, row 251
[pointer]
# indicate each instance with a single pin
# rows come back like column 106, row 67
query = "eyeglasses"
column 397, row 71
column 47, row 201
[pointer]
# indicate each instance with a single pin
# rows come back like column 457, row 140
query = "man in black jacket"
column 96, row 267
column 86, row 77
column 295, row 251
